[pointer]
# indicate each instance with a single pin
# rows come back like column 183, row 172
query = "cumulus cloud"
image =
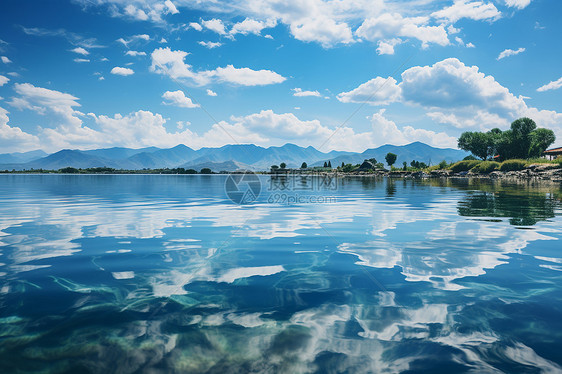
column 465, row 97
column 246, row 76
column 178, row 98
column 386, row 132
column 13, row 139
column 390, row 25
column 386, row 47
column 3, row 80
column 377, row 91
column 510, row 52
column 475, row 10
column 166, row 61
column 140, row 10
column 210, row 45
column 195, row 26
column 211, row 92
column 122, row 71
column 455, row 95
column 5, row 59
column 300, row 93
column 323, row 30
column 251, row 26
column 554, row 85
column 43, row 100
column 215, row 25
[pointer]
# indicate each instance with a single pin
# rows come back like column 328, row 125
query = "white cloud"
column 300, row 93
column 475, row 10
column 456, row 95
column 5, row 60
column 42, row 100
column 251, row 26
column 135, row 53
column 3, row 80
column 13, row 139
column 323, row 30
column 519, row 4
column 81, row 60
column 210, row 45
column 163, row 41
column 166, row 61
column 80, row 51
column 377, row 91
column 386, row 47
column 195, row 26
column 247, row 77
column 391, row 25
column 386, row 132
column 211, row 92
column 464, row 97
column 133, row 39
column 178, row 98
column 510, row 52
column 470, row 45
column 554, row 85
column 215, row 25
column 136, row 13
column 122, row 71
column 171, row 7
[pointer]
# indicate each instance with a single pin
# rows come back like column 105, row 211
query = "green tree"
column 330, row 164
column 541, row 139
column 304, row 165
column 521, row 130
column 404, row 166
column 206, row 171
column 274, row 167
column 283, row 165
column 342, row 164
column 390, row 158
column 325, row 164
column 477, row 143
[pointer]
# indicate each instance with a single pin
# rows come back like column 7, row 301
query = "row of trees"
column 523, row 140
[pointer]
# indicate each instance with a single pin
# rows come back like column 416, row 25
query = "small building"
column 553, row 153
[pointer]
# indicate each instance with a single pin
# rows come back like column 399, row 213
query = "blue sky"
column 340, row 74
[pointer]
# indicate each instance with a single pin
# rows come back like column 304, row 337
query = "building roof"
column 554, row 150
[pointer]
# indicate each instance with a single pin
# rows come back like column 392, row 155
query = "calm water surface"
column 159, row 274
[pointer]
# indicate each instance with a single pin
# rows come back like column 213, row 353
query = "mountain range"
column 226, row 158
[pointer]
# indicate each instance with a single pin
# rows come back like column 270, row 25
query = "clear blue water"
column 155, row 274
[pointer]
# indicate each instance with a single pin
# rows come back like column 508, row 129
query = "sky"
column 336, row 75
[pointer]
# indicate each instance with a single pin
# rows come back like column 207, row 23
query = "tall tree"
column 330, row 164
column 521, row 136
column 390, row 158
column 283, row 165
column 541, row 139
column 304, row 165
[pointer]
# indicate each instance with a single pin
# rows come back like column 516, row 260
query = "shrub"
column 486, row 167
column 513, row 165
column 470, row 158
column 443, row 165
column 464, row 165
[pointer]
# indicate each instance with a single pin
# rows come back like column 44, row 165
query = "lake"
column 165, row 273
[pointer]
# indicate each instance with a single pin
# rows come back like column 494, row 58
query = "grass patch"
column 513, row 165
column 486, row 167
column 464, row 165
